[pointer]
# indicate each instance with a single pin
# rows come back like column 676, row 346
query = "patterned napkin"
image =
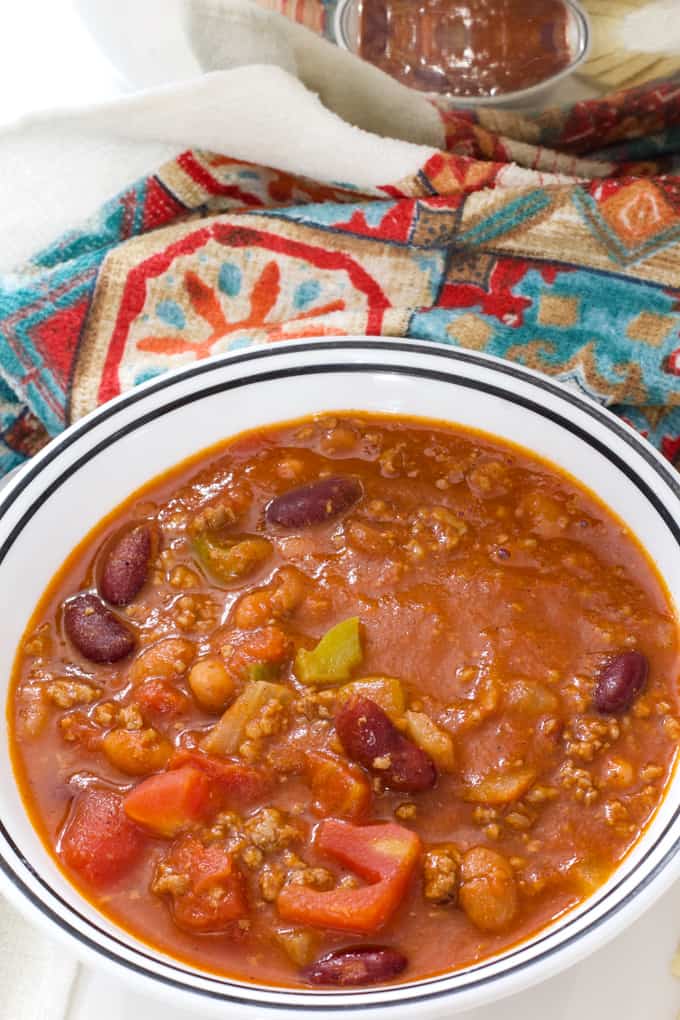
column 553, row 241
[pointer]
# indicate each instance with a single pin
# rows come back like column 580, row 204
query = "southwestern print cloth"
column 554, row 242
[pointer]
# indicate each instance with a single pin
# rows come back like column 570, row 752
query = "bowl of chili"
column 502, row 53
column 341, row 678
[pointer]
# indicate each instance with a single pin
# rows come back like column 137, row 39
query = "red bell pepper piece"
column 385, row 855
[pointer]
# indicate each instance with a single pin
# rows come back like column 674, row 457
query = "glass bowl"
column 347, row 25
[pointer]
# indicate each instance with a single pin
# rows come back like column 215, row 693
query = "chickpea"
column 210, row 684
column 137, row 752
column 488, row 892
column 252, row 610
column 619, row 772
column 167, row 659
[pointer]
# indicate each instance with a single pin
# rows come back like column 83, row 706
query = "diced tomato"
column 210, row 892
column 384, row 855
column 77, row 728
column 169, row 802
column 266, row 645
column 160, row 697
column 236, row 784
column 100, row 842
column 341, row 789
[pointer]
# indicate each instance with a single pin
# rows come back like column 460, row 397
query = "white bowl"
column 94, row 465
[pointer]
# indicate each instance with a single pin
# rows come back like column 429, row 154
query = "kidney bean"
column 356, row 965
column 97, row 633
column 126, row 565
column 620, row 681
column 369, row 737
column 315, row 503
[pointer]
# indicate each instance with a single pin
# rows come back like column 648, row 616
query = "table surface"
column 631, row 977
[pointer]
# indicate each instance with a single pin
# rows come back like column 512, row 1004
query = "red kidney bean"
column 97, row 633
column 315, row 503
column 369, row 737
column 126, row 565
column 620, row 681
column 356, row 965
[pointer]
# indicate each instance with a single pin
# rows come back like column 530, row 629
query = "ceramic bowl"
column 60, row 495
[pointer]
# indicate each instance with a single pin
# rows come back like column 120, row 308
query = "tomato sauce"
column 474, row 48
column 353, row 679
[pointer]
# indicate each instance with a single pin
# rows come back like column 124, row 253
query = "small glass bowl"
column 346, row 28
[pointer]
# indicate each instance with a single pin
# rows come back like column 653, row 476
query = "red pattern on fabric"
column 498, row 300
column 394, row 226
column 466, row 137
column 393, row 191
column 670, row 447
column 449, row 173
column 596, row 123
column 160, row 207
column 57, row 338
column 200, row 175
column 672, row 363
column 322, row 258
column 133, row 302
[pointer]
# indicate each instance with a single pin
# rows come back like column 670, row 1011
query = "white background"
column 47, row 58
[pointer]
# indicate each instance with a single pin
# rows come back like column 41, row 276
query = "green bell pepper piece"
column 228, row 558
column 263, row 671
column 336, row 655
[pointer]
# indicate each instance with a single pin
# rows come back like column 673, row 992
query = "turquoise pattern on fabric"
column 229, row 279
column 605, row 306
column 171, row 312
column 331, row 214
column 306, row 293
column 26, row 304
column 511, row 215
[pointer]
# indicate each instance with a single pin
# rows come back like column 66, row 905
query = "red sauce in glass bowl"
column 475, row 48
